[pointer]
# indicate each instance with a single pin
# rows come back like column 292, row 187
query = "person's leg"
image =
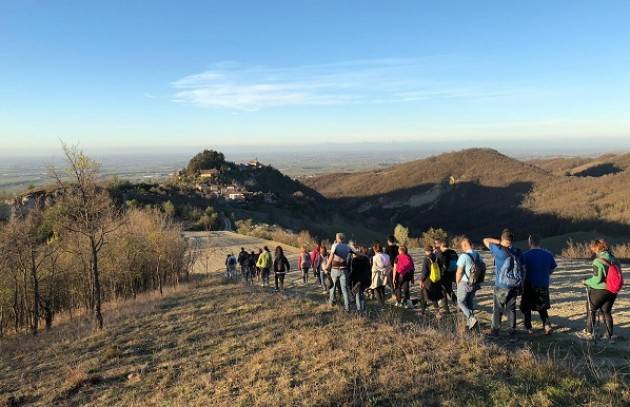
column 463, row 301
column 511, row 311
column 527, row 318
column 282, row 281
column 276, row 278
column 343, row 281
column 405, row 287
column 544, row 317
column 397, row 290
column 607, row 313
column 497, row 313
column 380, row 295
column 334, row 275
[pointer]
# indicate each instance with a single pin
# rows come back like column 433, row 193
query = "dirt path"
column 567, row 294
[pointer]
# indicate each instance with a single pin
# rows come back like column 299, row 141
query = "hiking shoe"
column 530, row 331
column 398, row 304
column 609, row 339
column 548, row 330
column 587, row 336
column 472, row 323
column 493, row 333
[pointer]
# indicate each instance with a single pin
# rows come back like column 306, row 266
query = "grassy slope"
column 227, row 344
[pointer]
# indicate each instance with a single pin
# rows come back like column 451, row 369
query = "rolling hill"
column 480, row 191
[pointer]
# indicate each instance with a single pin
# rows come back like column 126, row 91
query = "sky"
column 135, row 75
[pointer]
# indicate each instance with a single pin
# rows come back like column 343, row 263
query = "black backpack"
column 478, row 271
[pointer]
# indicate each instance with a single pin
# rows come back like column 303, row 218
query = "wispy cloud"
column 234, row 86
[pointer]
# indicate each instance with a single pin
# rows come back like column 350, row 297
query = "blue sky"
column 132, row 74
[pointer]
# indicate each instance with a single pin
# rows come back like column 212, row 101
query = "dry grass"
column 582, row 250
column 227, row 344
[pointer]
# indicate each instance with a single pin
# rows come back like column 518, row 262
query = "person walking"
column 242, row 261
column 447, row 261
column 431, row 289
column 258, row 270
column 230, row 266
column 403, row 277
column 467, row 263
column 281, row 267
column 314, row 255
column 392, row 251
column 538, row 264
column 304, row 264
column 508, row 280
column 360, row 277
column 251, row 266
column 381, row 272
column 602, row 289
column 338, row 263
column 320, row 266
column 265, row 262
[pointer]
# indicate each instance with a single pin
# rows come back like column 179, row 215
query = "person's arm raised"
column 489, row 240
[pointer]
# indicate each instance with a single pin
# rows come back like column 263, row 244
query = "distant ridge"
column 480, row 191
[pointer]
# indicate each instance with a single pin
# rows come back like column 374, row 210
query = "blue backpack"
column 510, row 275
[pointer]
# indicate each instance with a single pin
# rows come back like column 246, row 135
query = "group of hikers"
column 349, row 274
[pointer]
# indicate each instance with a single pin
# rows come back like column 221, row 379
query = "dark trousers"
column 433, row 293
column 279, row 279
column 527, row 318
column 265, row 276
column 507, row 307
column 305, row 274
column 447, row 281
column 402, row 287
column 380, row 294
column 603, row 301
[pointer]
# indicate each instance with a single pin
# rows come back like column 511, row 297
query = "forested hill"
column 480, row 191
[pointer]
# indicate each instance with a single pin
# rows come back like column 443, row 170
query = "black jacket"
column 445, row 258
column 361, row 272
column 281, row 265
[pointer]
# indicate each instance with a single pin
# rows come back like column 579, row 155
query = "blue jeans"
column 466, row 299
column 340, row 278
column 360, row 300
column 322, row 281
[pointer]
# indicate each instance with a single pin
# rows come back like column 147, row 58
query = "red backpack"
column 614, row 276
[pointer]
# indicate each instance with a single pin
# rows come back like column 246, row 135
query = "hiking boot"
column 587, row 336
column 398, row 304
column 530, row 331
column 409, row 304
column 548, row 330
column 610, row 339
column 494, row 333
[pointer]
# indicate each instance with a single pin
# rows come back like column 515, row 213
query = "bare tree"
column 30, row 247
column 86, row 210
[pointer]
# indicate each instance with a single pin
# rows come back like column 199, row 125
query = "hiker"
column 320, row 266
column 360, row 277
column 508, row 280
column 256, row 257
column 280, row 268
column 381, row 272
column 602, row 289
column 431, row 289
column 338, row 264
column 447, row 261
column 538, row 264
column 230, row 266
column 304, row 264
column 242, row 260
column 469, row 264
column 265, row 263
column 392, row 251
column 251, row 266
column 314, row 255
column 403, row 277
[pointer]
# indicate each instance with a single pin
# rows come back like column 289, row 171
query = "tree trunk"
column 35, row 325
column 97, row 285
column 159, row 276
